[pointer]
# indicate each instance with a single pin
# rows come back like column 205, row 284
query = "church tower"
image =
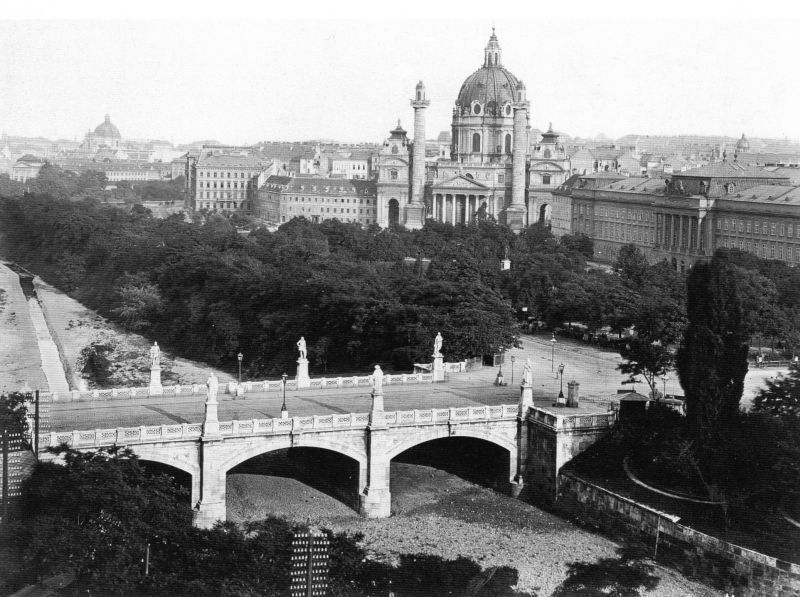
column 393, row 166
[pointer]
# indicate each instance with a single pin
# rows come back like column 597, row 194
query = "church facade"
column 492, row 171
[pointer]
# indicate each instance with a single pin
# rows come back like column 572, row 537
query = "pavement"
column 595, row 371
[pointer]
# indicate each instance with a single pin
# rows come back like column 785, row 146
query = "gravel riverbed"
column 437, row 513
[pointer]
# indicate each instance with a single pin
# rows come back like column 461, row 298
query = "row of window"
column 625, row 232
column 336, row 210
column 222, row 194
column 765, row 228
column 224, row 205
column 298, row 199
column 218, row 174
column 623, row 213
column 209, row 185
column 316, row 218
column 761, row 249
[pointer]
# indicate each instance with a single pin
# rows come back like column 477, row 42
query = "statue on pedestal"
column 377, row 380
column 301, row 346
column 527, row 373
column 212, row 386
column 437, row 345
column 155, row 356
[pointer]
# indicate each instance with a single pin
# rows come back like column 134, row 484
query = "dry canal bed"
column 437, row 513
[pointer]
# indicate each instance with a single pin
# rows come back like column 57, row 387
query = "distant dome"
column 107, row 129
column 491, row 85
column 743, row 144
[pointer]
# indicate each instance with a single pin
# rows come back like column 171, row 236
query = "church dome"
column 491, row 86
column 742, row 144
column 107, row 129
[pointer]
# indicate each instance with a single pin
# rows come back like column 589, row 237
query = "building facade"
column 316, row 198
column 227, row 179
column 684, row 218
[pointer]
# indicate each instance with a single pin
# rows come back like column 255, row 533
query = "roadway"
column 594, row 369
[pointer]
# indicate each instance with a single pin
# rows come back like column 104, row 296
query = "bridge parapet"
column 316, row 383
column 571, row 422
column 95, row 438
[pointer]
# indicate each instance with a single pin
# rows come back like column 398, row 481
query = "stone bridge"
column 538, row 441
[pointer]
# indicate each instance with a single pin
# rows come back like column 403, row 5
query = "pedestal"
column 414, row 216
column 376, row 418
column 284, row 414
column 210, row 421
column 525, row 399
column 438, row 368
column 302, row 378
column 515, row 217
column 155, row 388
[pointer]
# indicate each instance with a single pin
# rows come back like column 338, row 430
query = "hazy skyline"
column 350, row 80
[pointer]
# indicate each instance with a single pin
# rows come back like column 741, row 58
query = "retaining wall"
column 737, row 570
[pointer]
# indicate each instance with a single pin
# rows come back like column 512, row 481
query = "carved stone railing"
column 248, row 387
column 570, row 422
column 150, row 434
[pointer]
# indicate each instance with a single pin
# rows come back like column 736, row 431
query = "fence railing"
column 571, row 422
column 192, row 431
column 248, row 387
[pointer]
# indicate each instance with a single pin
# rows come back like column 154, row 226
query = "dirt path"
column 20, row 362
column 437, row 513
column 77, row 327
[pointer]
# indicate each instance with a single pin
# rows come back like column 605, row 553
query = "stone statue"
column 377, row 380
column 437, row 345
column 527, row 373
column 301, row 346
column 212, row 385
column 155, row 356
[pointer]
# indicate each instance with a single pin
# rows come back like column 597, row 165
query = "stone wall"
column 739, row 571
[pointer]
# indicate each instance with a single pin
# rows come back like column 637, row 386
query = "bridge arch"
column 237, row 457
column 439, row 432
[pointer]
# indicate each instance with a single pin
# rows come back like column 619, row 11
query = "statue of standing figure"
column 155, row 356
column 437, row 345
column 377, row 380
column 301, row 346
column 527, row 373
column 212, row 385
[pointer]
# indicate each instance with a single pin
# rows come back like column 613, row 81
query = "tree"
column 781, row 397
column 647, row 358
column 632, row 266
column 712, row 359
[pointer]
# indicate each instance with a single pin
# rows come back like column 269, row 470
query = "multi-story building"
column 25, row 168
column 549, row 168
column 684, row 218
column 227, row 179
column 316, row 198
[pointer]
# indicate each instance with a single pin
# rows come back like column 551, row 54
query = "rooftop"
column 727, row 169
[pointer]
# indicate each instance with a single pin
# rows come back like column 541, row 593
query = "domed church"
column 487, row 173
column 105, row 134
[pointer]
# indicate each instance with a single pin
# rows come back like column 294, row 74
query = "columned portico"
column 458, row 207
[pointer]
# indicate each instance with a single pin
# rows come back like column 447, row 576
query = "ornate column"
column 414, row 219
column 375, row 500
column 516, row 212
column 454, row 208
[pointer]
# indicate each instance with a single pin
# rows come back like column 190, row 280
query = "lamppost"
column 512, row 369
column 283, row 406
column 240, row 356
column 561, row 392
column 553, row 350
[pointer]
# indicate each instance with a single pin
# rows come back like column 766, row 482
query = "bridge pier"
column 375, row 500
column 210, row 506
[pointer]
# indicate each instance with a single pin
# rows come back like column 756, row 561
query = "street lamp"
column 283, row 407
column 553, row 350
column 561, row 392
column 512, row 369
column 240, row 356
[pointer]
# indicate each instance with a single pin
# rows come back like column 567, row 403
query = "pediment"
column 459, row 182
column 546, row 167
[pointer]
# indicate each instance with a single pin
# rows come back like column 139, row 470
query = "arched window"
column 547, row 154
column 508, row 143
column 476, row 143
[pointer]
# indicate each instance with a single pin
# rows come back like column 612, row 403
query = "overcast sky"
column 349, row 74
